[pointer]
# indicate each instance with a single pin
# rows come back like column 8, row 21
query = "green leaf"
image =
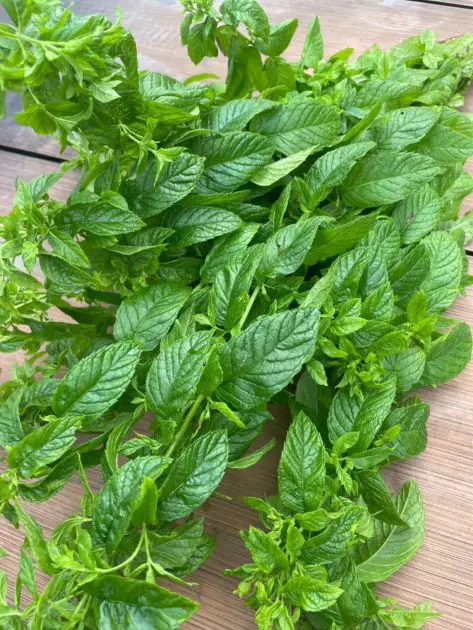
column 249, row 12
column 301, row 473
column 401, row 127
column 120, row 602
column 417, row 215
column 96, row 382
column 340, row 238
column 412, row 437
column 443, row 283
column 393, row 545
column 280, row 36
column 408, row 366
column 445, row 146
column 411, row 618
column 149, row 194
column 148, row 315
column 387, row 176
column 174, row 375
column 61, row 277
column 313, row 50
column 200, row 40
column 230, row 159
column 298, row 126
column 261, row 361
column 377, row 497
column 335, row 540
column 103, row 219
column 11, row 430
column 65, row 247
column 409, row 273
column 235, row 115
column 285, row 251
column 229, row 294
column 271, row 173
column 448, row 356
column 333, row 167
column 309, row 594
column 43, row 446
column 227, row 248
column 55, row 481
column 175, row 547
column 193, row 225
column 120, row 497
column 264, row 551
column 193, row 476
column 254, row 457
column 346, row 414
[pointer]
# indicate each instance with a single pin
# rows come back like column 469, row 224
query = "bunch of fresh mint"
column 297, row 224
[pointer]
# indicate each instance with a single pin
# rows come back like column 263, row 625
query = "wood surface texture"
column 442, row 569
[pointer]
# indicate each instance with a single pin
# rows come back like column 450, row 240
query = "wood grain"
column 441, row 571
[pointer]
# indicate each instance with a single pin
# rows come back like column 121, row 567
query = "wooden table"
column 442, row 570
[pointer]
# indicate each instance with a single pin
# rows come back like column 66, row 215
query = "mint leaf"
column 260, row 361
column 174, row 375
column 96, row 382
column 193, row 476
column 393, row 545
column 147, row 316
column 43, row 446
column 387, row 176
column 298, row 126
column 120, row 497
column 230, row 160
column 447, row 356
column 301, row 474
column 122, row 600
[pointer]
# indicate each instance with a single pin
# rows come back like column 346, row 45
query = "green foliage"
column 292, row 235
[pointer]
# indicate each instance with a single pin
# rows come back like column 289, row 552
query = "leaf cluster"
column 290, row 236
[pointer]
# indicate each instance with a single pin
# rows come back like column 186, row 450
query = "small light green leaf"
column 265, row 552
column 309, row 594
column 254, row 457
column 271, row 173
column 313, row 50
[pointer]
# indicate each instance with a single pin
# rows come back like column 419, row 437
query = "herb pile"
column 291, row 235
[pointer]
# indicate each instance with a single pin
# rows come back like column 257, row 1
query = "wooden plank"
column 442, row 569
column 355, row 23
column 456, row 4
